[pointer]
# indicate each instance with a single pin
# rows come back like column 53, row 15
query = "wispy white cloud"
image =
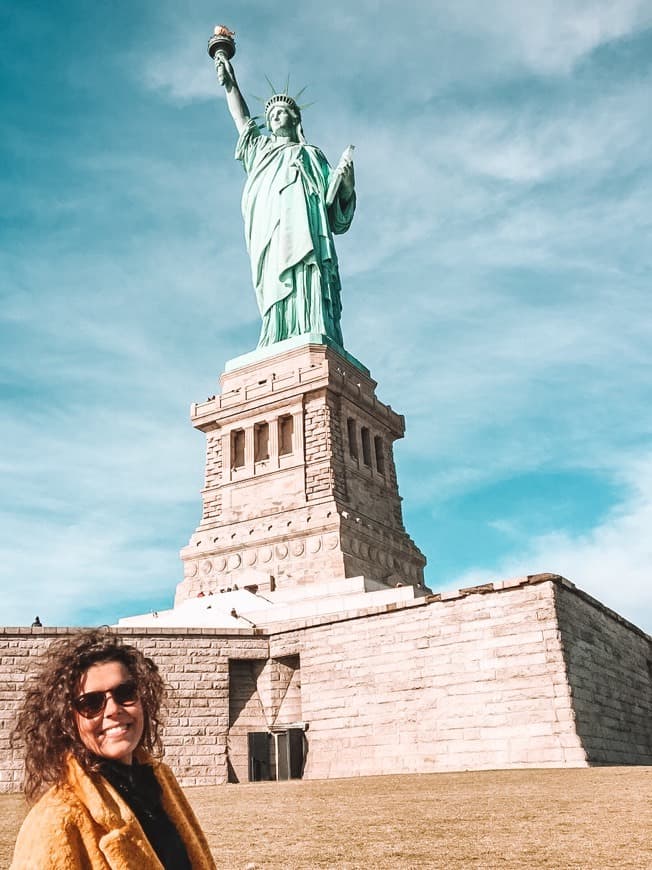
column 496, row 278
column 94, row 500
column 442, row 42
column 97, row 562
column 613, row 562
column 183, row 78
column 551, row 36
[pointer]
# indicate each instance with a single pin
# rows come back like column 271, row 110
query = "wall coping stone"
column 140, row 630
column 345, row 615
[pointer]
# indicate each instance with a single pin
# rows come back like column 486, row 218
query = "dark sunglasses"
column 91, row 704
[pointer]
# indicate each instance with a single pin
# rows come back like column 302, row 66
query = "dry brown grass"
column 590, row 819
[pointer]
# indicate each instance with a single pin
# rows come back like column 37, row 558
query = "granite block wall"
column 194, row 663
column 524, row 673
column 477, row 681
column 609, row 666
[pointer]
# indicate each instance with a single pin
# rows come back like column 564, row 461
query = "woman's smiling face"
column 116, row 731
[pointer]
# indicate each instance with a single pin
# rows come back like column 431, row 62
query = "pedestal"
column 300, row 483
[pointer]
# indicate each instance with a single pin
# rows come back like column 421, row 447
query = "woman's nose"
column 111, row 704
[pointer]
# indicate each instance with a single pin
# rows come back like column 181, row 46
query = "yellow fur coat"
column 83, row 824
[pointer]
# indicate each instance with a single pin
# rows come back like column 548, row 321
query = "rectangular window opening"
column 285, row 434
column 353, row 437
column 366, row 446
column 380, row 456
column 237, row 448
column 261, row 442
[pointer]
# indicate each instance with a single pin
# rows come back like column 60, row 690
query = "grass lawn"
column 589, row 818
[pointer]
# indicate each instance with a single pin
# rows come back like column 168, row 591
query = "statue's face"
column 281, row 122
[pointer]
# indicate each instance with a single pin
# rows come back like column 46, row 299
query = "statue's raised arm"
column 292, row 204
column 234, row 99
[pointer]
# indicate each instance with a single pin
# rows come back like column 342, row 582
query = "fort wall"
column 476, row 681
column 609, row 667
column 527, row 673
column 194, row 663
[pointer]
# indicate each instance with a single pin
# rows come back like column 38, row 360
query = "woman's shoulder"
column 49, row 829
column 58, row 807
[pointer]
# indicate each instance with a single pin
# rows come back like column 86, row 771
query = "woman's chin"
column 122, row 754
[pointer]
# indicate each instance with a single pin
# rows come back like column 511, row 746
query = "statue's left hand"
column 347, row 185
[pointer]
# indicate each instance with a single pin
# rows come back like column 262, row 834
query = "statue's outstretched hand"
column 224, row 70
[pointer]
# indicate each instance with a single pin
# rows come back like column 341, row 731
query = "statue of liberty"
column 292, row 204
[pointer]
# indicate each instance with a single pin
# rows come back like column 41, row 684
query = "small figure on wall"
column 292, row 204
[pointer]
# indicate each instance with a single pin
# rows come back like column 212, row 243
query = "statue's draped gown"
column 289, row 231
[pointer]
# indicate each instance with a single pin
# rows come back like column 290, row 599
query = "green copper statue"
column 292, row 204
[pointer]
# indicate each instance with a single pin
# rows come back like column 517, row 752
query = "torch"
column 222, row 42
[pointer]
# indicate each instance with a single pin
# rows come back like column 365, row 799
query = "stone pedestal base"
column 300, row 479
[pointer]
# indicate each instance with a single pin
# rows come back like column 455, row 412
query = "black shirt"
column 138, row 786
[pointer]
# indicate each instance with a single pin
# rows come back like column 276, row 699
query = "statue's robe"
column 289, row 232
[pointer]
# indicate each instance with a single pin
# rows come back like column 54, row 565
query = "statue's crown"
column 282, row 100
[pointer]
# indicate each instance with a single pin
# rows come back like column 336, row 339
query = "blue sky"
column 496, row 279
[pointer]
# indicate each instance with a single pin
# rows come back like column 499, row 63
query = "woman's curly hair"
column 46, row 728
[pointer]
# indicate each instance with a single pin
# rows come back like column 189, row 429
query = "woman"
column 90, row 728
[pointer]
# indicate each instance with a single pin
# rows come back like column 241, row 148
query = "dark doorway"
column 259, row 756
column 279, row 755
column 289, row 747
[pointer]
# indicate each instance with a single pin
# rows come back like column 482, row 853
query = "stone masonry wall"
column 212, row 496
column 334, row 407
column 318, row 447
column 19, row 648
column 261, row 516
column 246, row 714
column 524, row 673
column 609, row 663
column 476, row 681
column 260, row 691
column 195, row 663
